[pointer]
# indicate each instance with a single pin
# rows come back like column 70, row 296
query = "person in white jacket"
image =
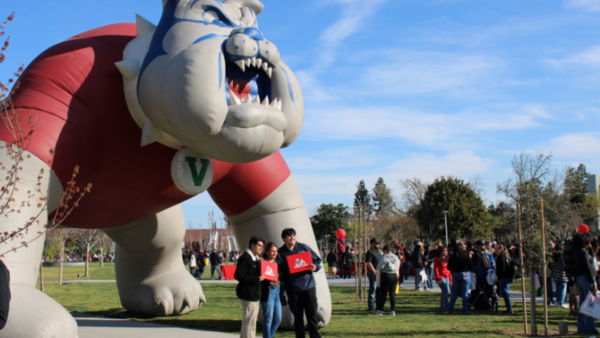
column 387, row 277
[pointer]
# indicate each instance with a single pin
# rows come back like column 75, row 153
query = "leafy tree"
column 467, row 216
column 329, row 219
column 362, row 198
column 383, row 201
column 576, row 184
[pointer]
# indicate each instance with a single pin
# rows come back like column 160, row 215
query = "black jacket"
column 481, row 259
column 503, row 269
column 460, row 263
column 418, row 260
column 348, row 259
column 247, row 273
column 331, row 259
column 4, row 294
column 584, row 265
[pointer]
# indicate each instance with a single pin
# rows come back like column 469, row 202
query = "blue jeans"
column 430, row 276
column 406, row 270
column 193, row 271
column 561, row 292
column 341, row 269
column 271, row 310
column 460, row 287
column 373, row 292
column 504, row 285
column 445, row 286
column 585, row 324
column 550, row 290
column 212, row 271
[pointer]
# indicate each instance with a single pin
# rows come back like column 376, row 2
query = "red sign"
column 299, row 262
column 269, row 270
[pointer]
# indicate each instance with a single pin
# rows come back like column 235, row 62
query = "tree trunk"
column 60, row 267
column 87, row 260
column 42, row 276
column 101, row 256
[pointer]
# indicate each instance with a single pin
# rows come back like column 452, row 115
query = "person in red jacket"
column 443, row 276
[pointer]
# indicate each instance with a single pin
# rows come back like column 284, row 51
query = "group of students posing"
column 256, row 293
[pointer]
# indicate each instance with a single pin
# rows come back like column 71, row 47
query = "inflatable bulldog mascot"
column 154, row 115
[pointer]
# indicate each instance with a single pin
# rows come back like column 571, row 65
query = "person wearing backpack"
column 506, row 275
column 585, row 274
column 558, row 275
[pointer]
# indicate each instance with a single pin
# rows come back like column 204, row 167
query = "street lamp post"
column 446, row 225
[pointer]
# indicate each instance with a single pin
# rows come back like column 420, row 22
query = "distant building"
column 593, row 182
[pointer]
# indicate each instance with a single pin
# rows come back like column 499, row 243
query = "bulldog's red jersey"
column 75, row 94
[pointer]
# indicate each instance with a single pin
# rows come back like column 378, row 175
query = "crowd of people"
column 479, row 273
column 199, row 260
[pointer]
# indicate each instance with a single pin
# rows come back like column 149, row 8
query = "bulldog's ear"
column 256, row 5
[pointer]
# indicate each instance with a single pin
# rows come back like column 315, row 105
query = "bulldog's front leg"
column 284, row 208
column 151, row 276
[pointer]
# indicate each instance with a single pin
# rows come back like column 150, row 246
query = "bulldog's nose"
column 248, row 46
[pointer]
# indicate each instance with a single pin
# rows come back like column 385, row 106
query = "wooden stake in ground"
column 532, row 290
column 356, row 264
column 522, row 269
column 60, row 267
column 544, row 271
column 42, row 276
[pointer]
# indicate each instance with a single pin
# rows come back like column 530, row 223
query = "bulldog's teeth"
column 265, row 66
column 274, row 103
column 258, row 63
column 234, row 99
column 265, row 101
column 270, row 72
column 256, row 99
column 241, row 64
column 248, row 62
column 280, row 105
column 247, row 99
column 254, row 61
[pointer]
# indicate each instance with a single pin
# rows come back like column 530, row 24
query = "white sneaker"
column 379, row 313
column 392, row 313
column 564, row 306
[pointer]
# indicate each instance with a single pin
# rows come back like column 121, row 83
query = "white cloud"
column 579, row 147
column 334, row 159
column 589, row 58
column 463, row 164
column 588, row 5
column 436, row 130
column 406, row 72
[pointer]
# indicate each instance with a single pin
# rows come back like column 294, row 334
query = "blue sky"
column 400, row 89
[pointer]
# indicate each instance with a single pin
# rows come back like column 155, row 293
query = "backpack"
column 569, row 262
column 514, row 267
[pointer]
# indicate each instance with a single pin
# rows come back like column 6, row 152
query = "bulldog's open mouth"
column 249, row 96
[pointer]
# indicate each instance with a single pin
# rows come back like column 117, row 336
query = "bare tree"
column 88, row 239
column 60, row 237
column 413, row 194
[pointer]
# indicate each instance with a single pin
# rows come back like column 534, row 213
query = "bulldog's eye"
column 211, row 16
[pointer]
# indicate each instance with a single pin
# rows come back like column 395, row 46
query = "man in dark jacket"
column 215, row 264
column 332, row 262
column 248, row 275
column 300, row 287
column 480, row 257
column 4, row 294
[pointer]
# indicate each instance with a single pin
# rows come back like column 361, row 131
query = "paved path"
column 101, row 327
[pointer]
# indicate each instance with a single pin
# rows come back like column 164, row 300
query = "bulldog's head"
column 207, row 79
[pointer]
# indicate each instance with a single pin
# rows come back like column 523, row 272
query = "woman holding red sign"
column 270, row 301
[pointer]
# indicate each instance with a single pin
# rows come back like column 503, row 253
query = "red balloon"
column 341, row 233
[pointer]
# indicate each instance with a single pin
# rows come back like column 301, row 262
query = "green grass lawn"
column 96, row 272
column 417, row 314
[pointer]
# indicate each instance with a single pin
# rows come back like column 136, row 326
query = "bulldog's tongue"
column 241, row 89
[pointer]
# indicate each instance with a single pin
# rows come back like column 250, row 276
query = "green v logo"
column 197, row 177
